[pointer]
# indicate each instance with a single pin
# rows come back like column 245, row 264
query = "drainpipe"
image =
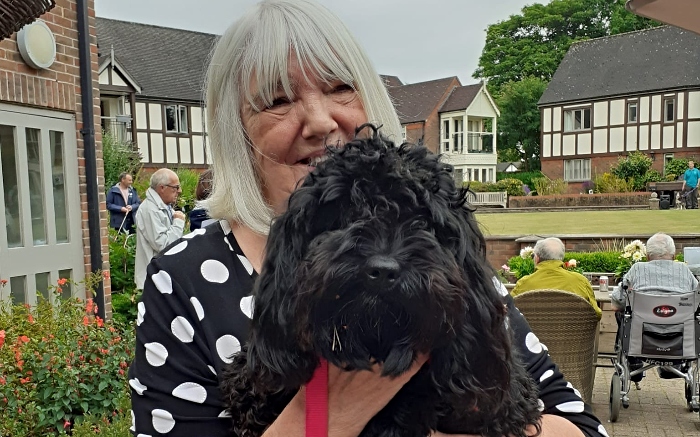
column 88, row 132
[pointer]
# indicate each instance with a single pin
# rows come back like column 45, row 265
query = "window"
column 483, row 175
column 458, row 137
column 469, row 174
column 176, row 119
column 577, row 119
column 446, row 135
column 632, row 112
column 491, row 179
column 459, row 176
column 668, row 157
column 577, row 170
column 669, row 109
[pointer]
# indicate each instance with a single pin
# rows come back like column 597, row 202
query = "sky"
column 416, row 40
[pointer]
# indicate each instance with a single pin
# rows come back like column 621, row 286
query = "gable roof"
column 414, row 102
column 168, row 64
column 390, row 80
column 461, row 97
column 661, row 58
column 503, row 166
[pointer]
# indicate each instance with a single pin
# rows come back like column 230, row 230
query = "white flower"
column 505, row 268
column 526, row 252
column 572, row 263
column 637, row 256
column 626, row 255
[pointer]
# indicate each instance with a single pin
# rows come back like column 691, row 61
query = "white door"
column 40, row 231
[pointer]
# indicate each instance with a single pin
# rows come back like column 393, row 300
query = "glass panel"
column 18, row 290
column 8, row 160
column 67, row 288
column 59, row 192
column 447, row 129
column 42, row 285
column 586, row 118
column 183, row 119
column 670, row 115
column 36, row 187
column 483, row 175
column 170, row 122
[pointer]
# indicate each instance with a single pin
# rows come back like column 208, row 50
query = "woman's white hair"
column 660, row 246
column 257, row 47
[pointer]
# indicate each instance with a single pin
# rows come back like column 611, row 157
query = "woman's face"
column 290, row 135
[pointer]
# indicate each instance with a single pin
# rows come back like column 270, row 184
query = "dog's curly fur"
column 378, row 258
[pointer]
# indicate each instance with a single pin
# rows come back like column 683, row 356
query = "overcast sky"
column 416, row 40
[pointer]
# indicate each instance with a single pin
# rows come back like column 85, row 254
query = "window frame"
column 569, row 119
column 181, row 125
column 634, row 104
column 672, row 101
column 583, row 170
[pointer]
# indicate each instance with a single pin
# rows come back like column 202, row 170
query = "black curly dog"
column 378, row 258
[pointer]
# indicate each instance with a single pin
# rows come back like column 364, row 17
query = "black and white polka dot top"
column 194, row 314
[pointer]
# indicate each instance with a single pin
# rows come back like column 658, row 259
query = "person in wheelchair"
column 660, row 275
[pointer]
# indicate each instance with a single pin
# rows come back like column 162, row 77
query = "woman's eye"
column 279, row 101
column 343, row 88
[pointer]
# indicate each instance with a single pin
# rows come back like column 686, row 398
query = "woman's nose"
column 317, row 118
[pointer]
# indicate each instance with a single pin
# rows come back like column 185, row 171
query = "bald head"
column 550, row 248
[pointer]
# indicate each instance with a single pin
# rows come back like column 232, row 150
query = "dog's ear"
column 277, row 353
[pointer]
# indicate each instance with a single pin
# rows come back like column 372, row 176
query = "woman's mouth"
column 313, row 161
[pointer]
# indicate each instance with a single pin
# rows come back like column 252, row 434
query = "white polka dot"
column 226, row 346
column 601, row 429
column 163, row 282
column 143, row 435
column 571, row 407
column 247, row 305
column 547, row 374
column 141, row 313
column 197, row 307
column 540, row 405
column 571, row 386
column 533, row 343
column 212, row 370
column 163, row 421
column 214, row 271
column 200, row 231
column 248, row 266
column 225, row 226
column 224, row 414
column 133, row 421
column 191, row 391
column 228, row 243
column 137, row 386
column 182, row 329
column 156, row 354
column 179, row 247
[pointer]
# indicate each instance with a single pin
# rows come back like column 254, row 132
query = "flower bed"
column 579, row 200
column 59, row 362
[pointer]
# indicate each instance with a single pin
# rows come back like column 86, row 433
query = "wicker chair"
column 568, row 326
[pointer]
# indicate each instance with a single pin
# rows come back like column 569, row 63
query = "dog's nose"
column 381, row 271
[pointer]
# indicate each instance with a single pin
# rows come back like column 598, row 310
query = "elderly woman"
column 284, row 81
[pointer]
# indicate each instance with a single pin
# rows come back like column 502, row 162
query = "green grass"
column 621, row 222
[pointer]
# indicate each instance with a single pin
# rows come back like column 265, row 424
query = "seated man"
column 550, row 273
column 661, row 274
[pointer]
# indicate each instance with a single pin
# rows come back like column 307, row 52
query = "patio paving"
column 657, row 410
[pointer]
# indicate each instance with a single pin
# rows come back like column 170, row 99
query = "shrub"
column 57, row 363
column 106, row 425
column 585, row 262
column 513, row 187
column 633, row 169
column 124, row 306
column 546, row 186
column 122, row 254
column 188, row 183
column 118, row 157
column 609, row 183
column 525, row 177
column 675, row 168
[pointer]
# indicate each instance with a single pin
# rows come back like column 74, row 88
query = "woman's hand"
column 354, row 398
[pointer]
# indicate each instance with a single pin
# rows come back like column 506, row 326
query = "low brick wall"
column 500, row 248
column 572, row 200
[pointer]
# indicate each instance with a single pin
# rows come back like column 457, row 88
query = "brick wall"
column 499, row 249
column 58, row 88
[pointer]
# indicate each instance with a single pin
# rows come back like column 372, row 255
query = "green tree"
column 534, row 42
column 519, row 125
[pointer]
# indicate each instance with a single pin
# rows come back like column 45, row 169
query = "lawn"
column 619, row 222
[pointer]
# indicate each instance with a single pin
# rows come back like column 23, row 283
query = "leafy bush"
column 106, row 425
column 124, row 306
column 118, row 157
column 633, row 169
column 585, row 261
column 546, row 186
column 188, row 183
column 122, row 253
column 675, row 168
column 514, row 187
column 525, row 177
column 57, row 363
column 609, row 183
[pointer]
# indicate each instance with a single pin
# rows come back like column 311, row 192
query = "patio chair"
column 568, row 326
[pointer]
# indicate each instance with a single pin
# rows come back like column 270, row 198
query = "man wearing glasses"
column 157, row 224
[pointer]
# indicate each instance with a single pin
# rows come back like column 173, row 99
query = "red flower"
column 30, row 318
column 99, row 321
column 24, row 339
column 66, row 424
column 62, row 281
column 3, row 282
column 2, row 337
column 86, row 321
column 89, row 305
column 2, row 381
